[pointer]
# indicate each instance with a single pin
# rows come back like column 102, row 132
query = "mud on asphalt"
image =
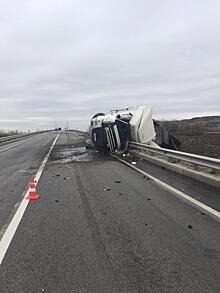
column 74, row 150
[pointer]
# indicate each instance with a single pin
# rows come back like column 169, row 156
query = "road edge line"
column 14, row 145
column 173, row 189
column 12, row 227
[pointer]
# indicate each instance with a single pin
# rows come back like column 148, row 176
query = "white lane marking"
column 173, row 189
column 14, row 145
column 12, row 227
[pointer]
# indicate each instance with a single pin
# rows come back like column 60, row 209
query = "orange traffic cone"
column 32, row 180
column 32, row 192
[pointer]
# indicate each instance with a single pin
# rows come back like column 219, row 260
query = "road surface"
column 100, row 226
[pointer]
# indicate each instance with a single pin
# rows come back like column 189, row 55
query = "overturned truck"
column 112, row 132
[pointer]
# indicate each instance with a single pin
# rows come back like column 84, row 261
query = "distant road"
column 100, row 226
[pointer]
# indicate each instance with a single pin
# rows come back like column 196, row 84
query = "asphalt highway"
column 18, row 162
column 100, row 226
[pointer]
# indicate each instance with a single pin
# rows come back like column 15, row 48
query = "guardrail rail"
column 17, row 136
column 197, row 160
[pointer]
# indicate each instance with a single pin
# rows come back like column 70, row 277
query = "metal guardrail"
column 11, row 137
column 181, row 156
column 17, row 136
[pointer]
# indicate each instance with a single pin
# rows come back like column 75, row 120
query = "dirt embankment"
column 198, row 135
column 207, row 144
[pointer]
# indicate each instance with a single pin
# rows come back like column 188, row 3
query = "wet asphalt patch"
column 68, row 154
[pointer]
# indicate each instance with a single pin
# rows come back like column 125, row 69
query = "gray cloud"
column 66, row 60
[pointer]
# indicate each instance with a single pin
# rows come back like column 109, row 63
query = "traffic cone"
column 32, row 192
column 32, row 180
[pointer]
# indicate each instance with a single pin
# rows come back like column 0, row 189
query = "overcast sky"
column 68, row 59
